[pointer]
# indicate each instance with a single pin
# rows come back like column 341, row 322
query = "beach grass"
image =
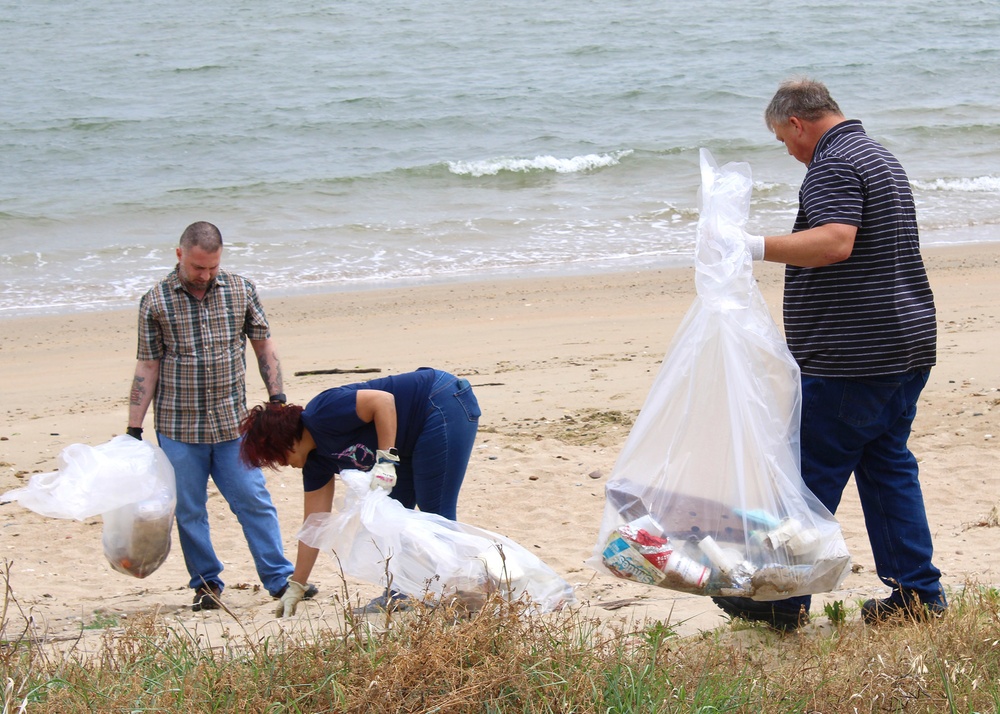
column 505, row 659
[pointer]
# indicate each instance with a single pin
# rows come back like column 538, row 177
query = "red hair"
column 269, row 433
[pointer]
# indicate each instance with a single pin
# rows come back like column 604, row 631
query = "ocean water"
column 344, row 144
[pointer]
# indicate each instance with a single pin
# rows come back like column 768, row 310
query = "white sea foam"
column 323, row 160
column 492, row 167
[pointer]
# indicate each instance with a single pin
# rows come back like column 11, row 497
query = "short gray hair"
column 202, row 234
column 806, row 99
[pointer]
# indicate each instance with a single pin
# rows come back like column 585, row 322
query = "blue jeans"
column 248, row 498
column 433, row 477
column 861, row 426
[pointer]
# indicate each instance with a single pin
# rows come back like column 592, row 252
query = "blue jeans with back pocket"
column 433, row 477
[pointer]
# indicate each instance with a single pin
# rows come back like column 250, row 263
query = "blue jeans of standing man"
column 245, row 492
column 433, row 477
column 862, row 426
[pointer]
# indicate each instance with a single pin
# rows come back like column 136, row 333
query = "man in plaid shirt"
column 193, row 329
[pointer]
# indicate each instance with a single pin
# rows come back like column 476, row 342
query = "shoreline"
column 540, row 272
column 560, row 366
column 945, row 253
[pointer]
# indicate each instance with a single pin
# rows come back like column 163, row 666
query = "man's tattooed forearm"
column 138, row 391
column 273, row 381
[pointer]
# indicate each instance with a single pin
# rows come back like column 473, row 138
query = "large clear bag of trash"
column 128, row 482
column 425, row 556
column 707, row 495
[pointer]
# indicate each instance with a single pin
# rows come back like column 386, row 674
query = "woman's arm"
column 318, row 501
column 376, row 406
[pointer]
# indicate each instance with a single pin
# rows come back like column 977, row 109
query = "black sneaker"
column 391, row 601
column 207, row 597
column 781, row 619
column 311, row 592
column 877, row 612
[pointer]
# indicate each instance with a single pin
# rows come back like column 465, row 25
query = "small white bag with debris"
column 130, row 483
column 707, row 494
column 425, row 556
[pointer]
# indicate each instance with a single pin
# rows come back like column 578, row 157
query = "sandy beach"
column 560, row 365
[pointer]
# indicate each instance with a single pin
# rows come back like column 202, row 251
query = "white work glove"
column 755, row 244
column 290, row 599
column 383, row 473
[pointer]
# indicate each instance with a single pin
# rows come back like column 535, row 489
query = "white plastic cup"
column 691, row 571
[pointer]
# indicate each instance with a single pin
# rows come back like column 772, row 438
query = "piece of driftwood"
column 361, row 370
column 619, row 604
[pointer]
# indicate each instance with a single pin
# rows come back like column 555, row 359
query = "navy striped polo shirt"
column 872, row 314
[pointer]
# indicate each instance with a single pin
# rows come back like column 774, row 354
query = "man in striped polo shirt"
column 860, row 321
column 193, row 329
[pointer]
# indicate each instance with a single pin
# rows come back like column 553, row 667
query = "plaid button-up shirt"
column 201, row 346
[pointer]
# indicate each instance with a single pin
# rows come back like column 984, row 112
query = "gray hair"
column 202, row 234
column 806, row 99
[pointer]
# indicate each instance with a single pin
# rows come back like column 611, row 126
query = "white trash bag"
column 707, row 495
column 130, row 483
column 426, row 556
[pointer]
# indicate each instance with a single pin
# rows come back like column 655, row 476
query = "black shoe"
column 390, row 601
column 784, row 620
column 207, row 597
column 311, row 592
column 877, row 612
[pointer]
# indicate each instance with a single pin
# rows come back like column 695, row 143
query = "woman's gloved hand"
column 383, row 473
column 290, row 599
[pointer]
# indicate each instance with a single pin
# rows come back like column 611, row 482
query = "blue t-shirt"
column 344, row 441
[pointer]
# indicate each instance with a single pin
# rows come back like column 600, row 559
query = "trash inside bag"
column 136, row 537
column 428, row 557
column 130, row 483
column 707, row 495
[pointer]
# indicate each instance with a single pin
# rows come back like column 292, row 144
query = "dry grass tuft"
column 506, row 659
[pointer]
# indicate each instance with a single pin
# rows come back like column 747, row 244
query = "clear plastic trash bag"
column 707, row 495
column 128, row 482
column 428, row 557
